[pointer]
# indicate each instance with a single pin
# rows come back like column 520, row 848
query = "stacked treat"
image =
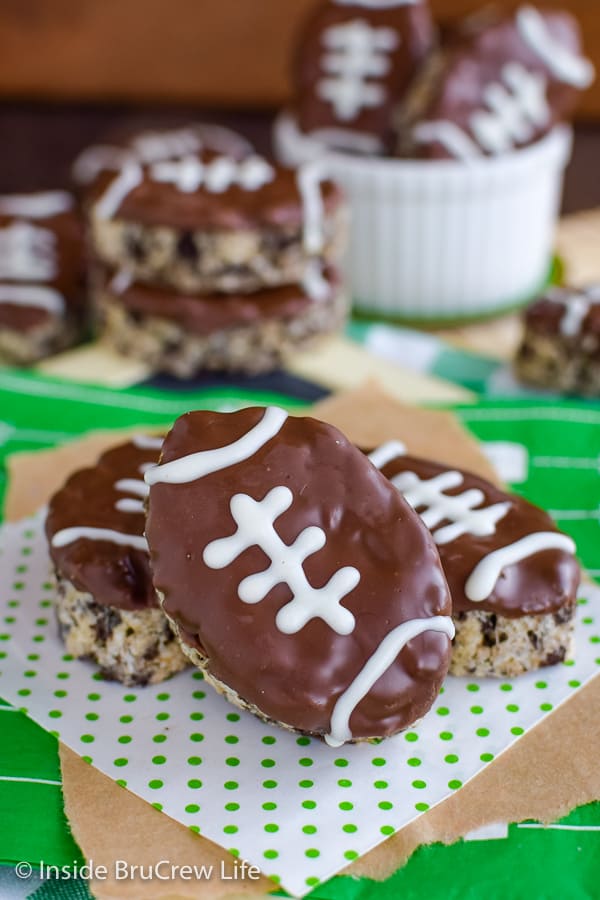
column 207, row 256
column 42, row 294
column 324, row 589
column 378, row 77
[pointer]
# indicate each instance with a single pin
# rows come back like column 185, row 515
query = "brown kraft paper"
column 110, row 823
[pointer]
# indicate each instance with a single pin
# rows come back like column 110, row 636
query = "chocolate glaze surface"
column 415, row 35
column 297, row 678
column 205, row 314
column 543, row 583
column 474, row 58
column 550, row 314
column 69, row 266
column 114, row 575
column 275, row 205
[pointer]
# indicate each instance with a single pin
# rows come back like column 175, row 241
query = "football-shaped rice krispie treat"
column 182, row 334
column 513, row 576
column 561, row 342
column 106, row 606
column 207, row 222
column 41, row 276
column 296, row 576
column 353, row 66
column 499, row 83
column 156, row 145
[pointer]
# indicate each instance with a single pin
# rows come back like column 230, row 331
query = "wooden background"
column 231, row 53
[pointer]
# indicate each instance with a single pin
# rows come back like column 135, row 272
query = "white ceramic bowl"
column 442, row 241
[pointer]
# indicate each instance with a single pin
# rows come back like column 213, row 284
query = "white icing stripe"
column 576, row 310
column 130, row 506
column 386, row 453
column 132, row 486
column 314, row 284
column 255, row 522
column 33, row 295
column 565, row 65
column 454, row 140
column 121, row 282
column 36, row 206
column 145, row 442
column 127, row 180
column 376, row 666
column 70, row 535
column 486, row 573
column 460, row 510
column 197, row 465
column 99, row 158
column 309, row 178
column 27, row 253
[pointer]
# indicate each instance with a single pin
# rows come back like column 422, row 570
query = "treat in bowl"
column 499, row 83
column 296, row 576
column 560, row 349
column 182, row 334
column 106, row 606
column 42, row 303
column 356, row 64
column 207, row 222
column 512, row 575
column 454, row 221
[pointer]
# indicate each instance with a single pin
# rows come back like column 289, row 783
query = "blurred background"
column 73, row 71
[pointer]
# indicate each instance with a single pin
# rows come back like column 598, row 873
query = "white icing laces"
column 355, row 53
column 577, row 306
column 190, row 173
column 255, row 522
column 27, row 253
column 515, row 109
column 460, row 510
column 134, row 486
column 562, row 62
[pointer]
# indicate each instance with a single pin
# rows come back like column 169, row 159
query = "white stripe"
column 551, row 414
column 32, row 295
column 386, row 453
column 197, row 465
column 567, row 66
column 574, row 515
column 482, row 580
column 127, row 180
column 36, row 206
column 70, row 535
column 560, row 827
column 9, row 709
column 30, row 780
column 375, row 667
column 146, row 442
column 566, row 462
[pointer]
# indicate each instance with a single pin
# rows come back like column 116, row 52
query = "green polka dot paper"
column 292, row 805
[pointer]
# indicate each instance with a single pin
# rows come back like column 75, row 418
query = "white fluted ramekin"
column 442, row 241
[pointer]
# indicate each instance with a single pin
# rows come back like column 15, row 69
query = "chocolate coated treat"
column 500, row 553
column 41, row 275
column 106, row 605
column 353, row 66
column 207, row 223
column 296, row 575
column 95, row 527
column 183, row 334
column 500, row 82
column 561, row 342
